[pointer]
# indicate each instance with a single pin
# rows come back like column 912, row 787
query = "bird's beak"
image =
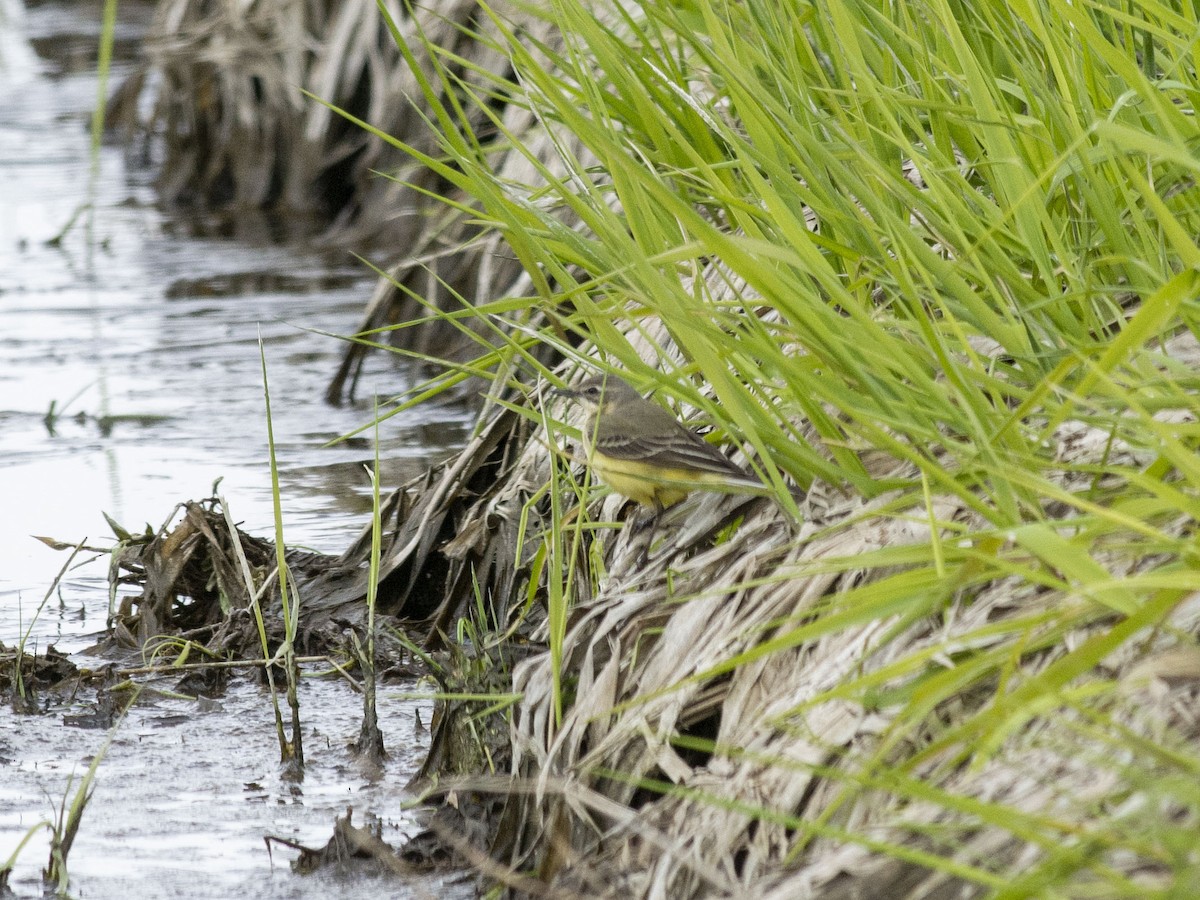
column 564, row 392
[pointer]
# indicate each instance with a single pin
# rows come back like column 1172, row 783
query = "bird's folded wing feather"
column 670, row 451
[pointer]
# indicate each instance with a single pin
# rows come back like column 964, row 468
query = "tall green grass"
column 939, row 233
column 291, row 744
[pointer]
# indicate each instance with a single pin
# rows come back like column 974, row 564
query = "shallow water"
column 186, row 794
column 143, row 338
column 150, row 336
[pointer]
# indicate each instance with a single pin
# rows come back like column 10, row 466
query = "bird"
column 644, row 453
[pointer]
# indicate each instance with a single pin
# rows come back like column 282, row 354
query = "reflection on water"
column 130, row 380
column 130, row 376
column 17, row 62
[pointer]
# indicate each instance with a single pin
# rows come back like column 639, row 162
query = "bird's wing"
column 677, row 448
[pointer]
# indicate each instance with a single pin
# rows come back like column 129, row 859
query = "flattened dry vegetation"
column 952, row 300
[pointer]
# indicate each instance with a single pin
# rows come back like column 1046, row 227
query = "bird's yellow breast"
column 646, row 484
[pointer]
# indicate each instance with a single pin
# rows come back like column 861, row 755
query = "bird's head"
column 600, row 392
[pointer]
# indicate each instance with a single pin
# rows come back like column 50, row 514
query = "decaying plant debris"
column 32, row 673
column 237, row 134
column 349, row 842
column 191, row 576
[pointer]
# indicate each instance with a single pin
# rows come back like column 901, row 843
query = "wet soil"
column 190, row 788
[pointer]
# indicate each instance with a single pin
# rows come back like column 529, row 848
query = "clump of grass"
column 370, row 739
column 22, row 699
column 291, row 746
column 937, row 265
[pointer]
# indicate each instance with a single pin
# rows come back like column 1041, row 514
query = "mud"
column 189, row 789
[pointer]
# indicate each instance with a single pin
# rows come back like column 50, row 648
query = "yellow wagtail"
column 644, row 453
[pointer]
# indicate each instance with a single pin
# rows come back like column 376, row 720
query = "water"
column 143, row 340
column 185, row 796
column 158, row 330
